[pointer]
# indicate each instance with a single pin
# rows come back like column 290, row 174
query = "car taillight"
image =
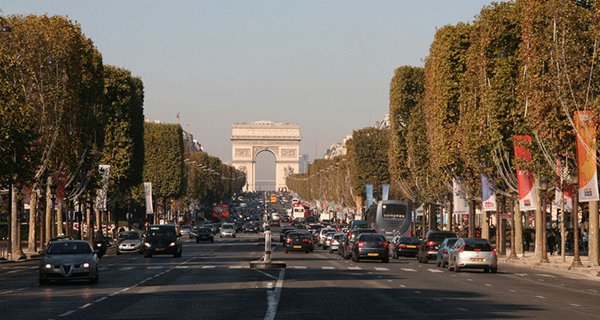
column 477, row 250
column 430, row 243
column 402, row 246
column 360, row 244
column 493, row 251
column 288, row 240
column 384, row 244
column 306, row 240
column 462, row 249
column 376, row 231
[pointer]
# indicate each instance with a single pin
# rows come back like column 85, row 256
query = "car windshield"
column 409, row 240
column 129, row 236
column 205, row 230
column 161, row 231
column 296, row 236
column 441, row 236
column 477, row 246
column 68, row 247
column 451, row 242
column 371, row 237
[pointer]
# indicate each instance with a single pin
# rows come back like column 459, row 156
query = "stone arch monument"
column 250, row 139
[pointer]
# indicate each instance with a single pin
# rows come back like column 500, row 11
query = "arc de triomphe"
column 250, row 139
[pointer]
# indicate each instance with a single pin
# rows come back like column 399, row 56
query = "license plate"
column 373, row 254
column 297, row 247
column 160, row 249
column 477, row 260
column 411, row 247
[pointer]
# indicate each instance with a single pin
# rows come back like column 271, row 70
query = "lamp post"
column 543, row 188
column 575, row 181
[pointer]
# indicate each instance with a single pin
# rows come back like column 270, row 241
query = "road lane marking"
column 274, row 296
column 67, row 313
column 417, row 292
column 235, row 267
column 103, row 298
column 540, row 297
column 437, row 299
column 462, row 309
column 435, row 270
column 299, row 267
column 85, row 306
column 487, row 284
column 328, row 268
column 266, row 274
column 521, row 274
column 575, row 305
column 208, row 267
column 127, row 268
column 182, row 267
column 512, row 290
column 545, row 275
column 354, row 268
column 158, row 267
column 382, row 269
column 409, row 270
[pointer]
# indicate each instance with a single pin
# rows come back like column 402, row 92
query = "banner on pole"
column 458, row 199
column 369, row 195
column 488, row 195
column 586, row 156
column 148, row 196
column 385, row 192
column 525, row 178
column 102, row 192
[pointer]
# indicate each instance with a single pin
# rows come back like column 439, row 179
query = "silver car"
column 335, row 242
column 328, row 239
column 227, row 230
column 129, row 242
column 68, row 260
column 469, row 253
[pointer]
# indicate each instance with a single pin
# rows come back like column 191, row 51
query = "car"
column 227, row 230
column 335, row 242
column 444, row 251
column 473, row 253
column 250, row 227
column 323, row 235
column 429, row 245
column 162, row 239
column 358, row 224
column 297, row 241
column 68, row 260
column 348, row 241
column 371, row 246
column 404, row 246
column 204, row 234
column 283, row 230
column 129, row 242
column 328, row 239
column 312, row 243
column 186, row 229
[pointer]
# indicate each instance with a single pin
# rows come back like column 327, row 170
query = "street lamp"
column 543, row 188
column 575, row 192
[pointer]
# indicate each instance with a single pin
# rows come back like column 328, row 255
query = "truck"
column 300, row 211
column 324, row 216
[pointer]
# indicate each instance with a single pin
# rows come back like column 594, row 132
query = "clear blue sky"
column 325, row 65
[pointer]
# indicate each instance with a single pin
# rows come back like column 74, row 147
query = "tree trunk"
column 518, row 227
column 59, row 218
column 593, row 234
column 539, row 229
column 31, row 242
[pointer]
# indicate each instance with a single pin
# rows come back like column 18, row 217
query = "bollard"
column 268, row 246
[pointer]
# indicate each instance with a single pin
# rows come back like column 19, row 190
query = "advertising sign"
column 525, row 178
column 488, row 195
column 369, row 195
column 458, row 199
column 586, row 156
column 148, row 196
column 385, row 191
column 101, row 194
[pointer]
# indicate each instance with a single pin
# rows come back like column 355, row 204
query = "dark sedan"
column 404, row 247
column 204, row 234
column 370, row 246
column 297, row 241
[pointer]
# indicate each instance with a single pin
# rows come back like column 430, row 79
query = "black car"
column 429, row 246
column 162, row 239
column 283, row 231
column 250, row 227
column 404, row 246
column 371, row 246
column 297, row 241
column 204, row 234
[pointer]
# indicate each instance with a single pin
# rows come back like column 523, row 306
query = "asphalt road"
column 214, row 281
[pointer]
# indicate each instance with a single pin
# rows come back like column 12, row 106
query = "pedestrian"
column 526, row 239
column 550, row 242
column 558, row 243
column 584, row 239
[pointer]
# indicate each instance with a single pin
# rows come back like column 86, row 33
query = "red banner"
column 525, row 178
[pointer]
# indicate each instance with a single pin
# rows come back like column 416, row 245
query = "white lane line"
column 521, row 274
column 354, row 268
column 540, row 297
column 125, row 289
column 273, row 297
column 435, row 270
column 299, row 267
column 402, row 286
column 592, row 290
column 101, row 299
column 328, row 268
column 182, row 267
column 235, row 267
column 390, row 280
column 159, row 267
column 409, row 270
column 208, row 267
column 462, row 309
column 545, row 275
column 127, row 268
column 437, row 299
column 417, row 292
column 113, row 294
column 266, row 274
column 382, row 269
column 575, row 305
column 487, row 284
column 85, row 306
column 512, row 290
column 67, row 313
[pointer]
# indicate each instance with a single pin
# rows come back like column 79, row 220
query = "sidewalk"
column 556, row 263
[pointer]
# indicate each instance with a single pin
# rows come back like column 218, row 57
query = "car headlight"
column 147, row 244
column 172, row 244
column 86, row 265
column 48, row 266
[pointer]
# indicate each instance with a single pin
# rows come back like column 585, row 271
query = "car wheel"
column 197, row 240
column 94, row 280
column 354, row 257
column 43, row 282
column 386, row 259
column 234, row 235
column 486, row 270
column 178, row 254
column 286, row 250
column 118, row 252
column 438, row 263
column 494, row 269
column 456, row 268
column 307, row 251
column 141, row 252
column 425, row 260
column 212, row 240
column 330, row 250
column 221, row 236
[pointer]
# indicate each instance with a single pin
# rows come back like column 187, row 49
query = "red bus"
column 221, row 211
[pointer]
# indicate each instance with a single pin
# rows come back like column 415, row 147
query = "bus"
column 221, row 211
column 390, row 218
